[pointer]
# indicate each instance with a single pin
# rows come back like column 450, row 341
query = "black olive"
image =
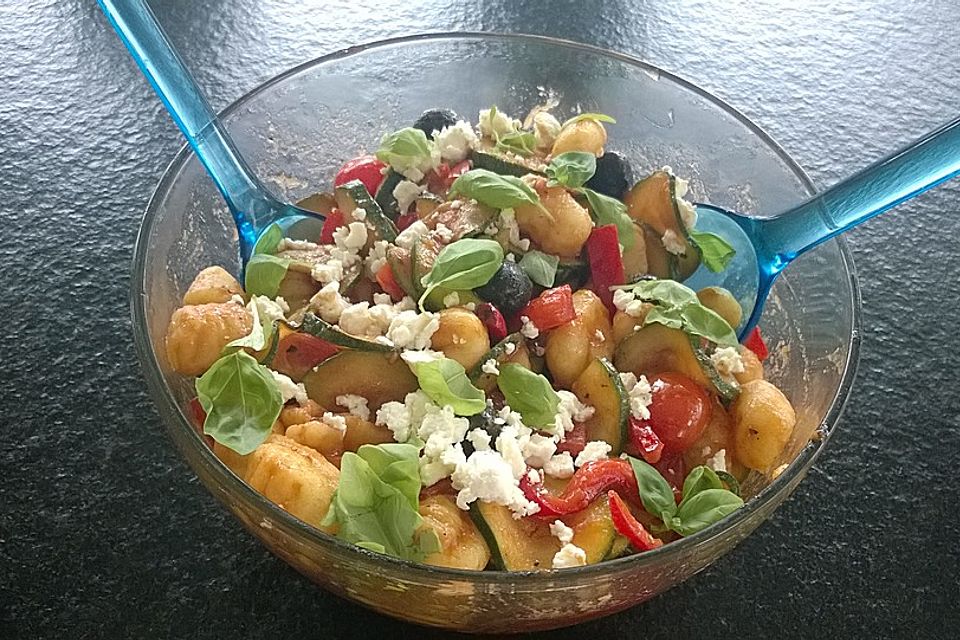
column 486, row 420
column 612, row 177
column 509, row 289
column 435, row 120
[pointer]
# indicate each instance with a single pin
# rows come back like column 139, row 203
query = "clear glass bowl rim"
column 674, row 551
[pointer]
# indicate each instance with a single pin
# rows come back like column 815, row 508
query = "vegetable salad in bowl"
column 486, row 357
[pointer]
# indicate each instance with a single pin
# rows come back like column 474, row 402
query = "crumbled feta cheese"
column 357, row 320
column 688, row 213
column 673, row 243
column 561, row 531
column 538, row 450
column 327, row 272
column 546, row 128
column 440, row 430
column 408, row 236
column 718, row 461
column 405, row 193
column 359, row 214
column 328, row 303
column 412, row 330
column 508, row 445
column 269, row 310
column 569, row 410
column 509, row 417
column 238, row 299
column 510, row 348
column 382, row 298
column 376, row 258
column 625, row 301
column 289, row 390
column 508, row 223
column 356, row 405
column 727, row 360
column 569, row 555
column 455, row 142
column 490, row 367
column 480, row 439
column 559, row 466
column 443, row 232
column 534, row 476
column 452, row 299
column 286, row 244
column 528, row 329
column 418, row 357
column 351, row 237
column 510, row 257
column 497, row 125
column 487, row 476
column 594, row 450
column 639, row 394
column 400, row 417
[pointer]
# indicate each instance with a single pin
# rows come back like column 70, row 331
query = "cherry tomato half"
column 680, row 411
column 366, row 169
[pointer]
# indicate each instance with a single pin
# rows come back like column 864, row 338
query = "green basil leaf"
column 699, row 479
column 704, row 509
column 494, row 190
column 269, row 240
column 465, row 264
column 241, row 400
column 655, row 491
column 715, row 252
column 707, row 323
column 665, row 292
column 540, row 267
column 446, row 383
column 530, row 394
column 407, row 148
column 597, row 117
column 606, row 210
column 572, row 169
column 264, row 275
column 667, row 316
column 375, row 504
column 260, row 332
column 523, row 143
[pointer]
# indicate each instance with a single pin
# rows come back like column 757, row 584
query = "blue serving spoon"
column 253, row 207
column 766, row 245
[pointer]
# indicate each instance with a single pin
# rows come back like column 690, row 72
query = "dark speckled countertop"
column 105, row 532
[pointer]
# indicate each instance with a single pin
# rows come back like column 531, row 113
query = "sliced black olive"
column 486, row 420
column 509, row 289
column 435, row 120
column 612, row 177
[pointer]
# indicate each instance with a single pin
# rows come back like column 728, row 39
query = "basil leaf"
column 241, row 400
column 666, row 292
column 494, row 190
column 699, row 479
column 596, row 117
column 655, row 491
column 706, row 323
column 715, row 252
column 261, row 331
column 264, row 275
column 667, row 316
column 606, row 210
column 704, row 509
column 530, row 394
column 269, row 240
column 540, row 267
column 523, row 143
column 571, row 169
column 375, row 505
column 446, row 383
column 405, row 149
column 465, row 264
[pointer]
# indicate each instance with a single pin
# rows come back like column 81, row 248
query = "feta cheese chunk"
column 490, row 367
column 559, row 466
column 289, row 390
column 727, row 360
column 494, row 123
column 569, row 410
column 480, row 439
column 337, row 422
column 351, row 237
column 626, row 302
column 405, row 193
column 487, row 476
column 412, row 330
column 328, row 303
column 673, row 243
column 639, row 393
column 356, row 405
column 546, row 128
column 455, row 142
column 570, row 555
column 718, row 461
column 594, row 450
column 408, row 236
column 528, row 329
column 561, row 531
column 538, row 450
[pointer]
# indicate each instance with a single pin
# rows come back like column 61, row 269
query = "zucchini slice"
column 511, row 165
column 572, row 272
column 653, row 202
column 600, row 387
column 384, row 196
column 425, row 252
column 352, row 196
column 461, row 545
column 657, row 348
column 296, row 285
column 463, row 219
column 316, row 326
column 527, row 545
column 635, row 258
column 320, row 202
column 377, row 376
column 425, row 204
column 400, row 261
column 502, row 353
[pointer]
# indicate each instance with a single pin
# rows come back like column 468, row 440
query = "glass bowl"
column 299, row 127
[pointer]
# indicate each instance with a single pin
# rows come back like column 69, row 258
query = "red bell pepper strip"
column 493, row 320
column 754, row 341
column 644, row 441
column 606, row 263
column 552, row 308
column 628, row 526
column 388, row 282
column 333, row 222
column 574, row 440
column 404, row 220
column 298, row 353
column 440, row 179
column 590, row 480
column 366, row 169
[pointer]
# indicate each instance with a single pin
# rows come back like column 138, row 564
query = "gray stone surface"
column 105, row 533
